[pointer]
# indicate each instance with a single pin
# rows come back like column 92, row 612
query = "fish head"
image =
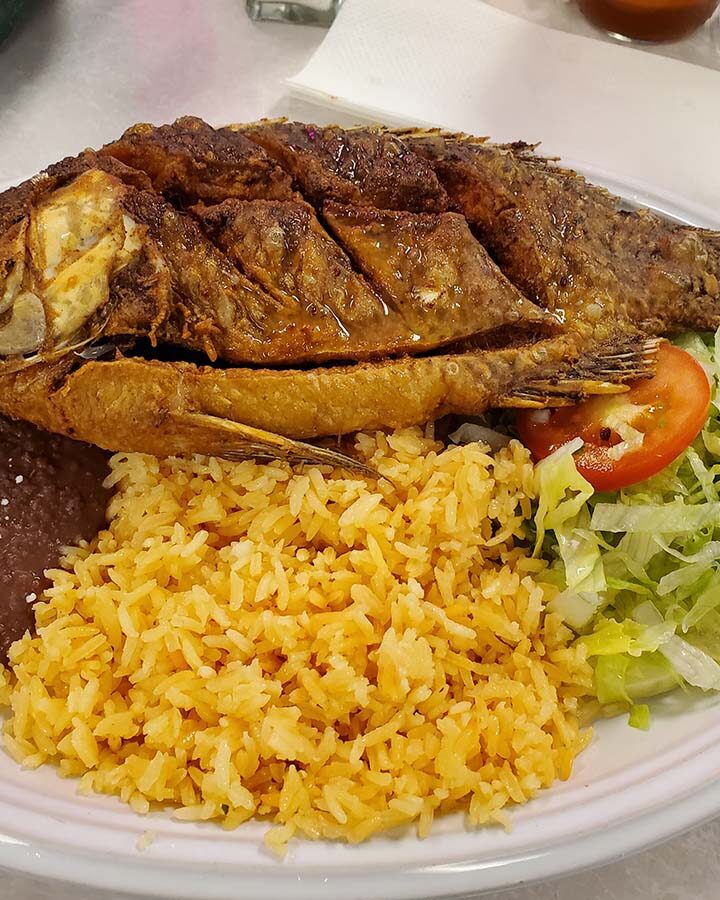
column 57, row 264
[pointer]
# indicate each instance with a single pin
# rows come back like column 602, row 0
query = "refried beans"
column 51, row 495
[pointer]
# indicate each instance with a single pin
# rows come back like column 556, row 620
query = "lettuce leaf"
column 561, row 490
column 640, row 716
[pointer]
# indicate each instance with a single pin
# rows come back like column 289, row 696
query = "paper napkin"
column 644, row 120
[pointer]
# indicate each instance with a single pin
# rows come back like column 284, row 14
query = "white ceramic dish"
column 630, row 789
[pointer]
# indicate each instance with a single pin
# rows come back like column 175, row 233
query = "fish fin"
column 601, row 372
column 523, row 150
column 246, row 126
column 234, row 441
column 415, row 132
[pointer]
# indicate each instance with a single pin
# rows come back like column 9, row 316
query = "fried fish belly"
column 169, row 408
column 322, row 281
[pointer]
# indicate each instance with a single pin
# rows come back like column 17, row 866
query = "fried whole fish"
column 186, row 289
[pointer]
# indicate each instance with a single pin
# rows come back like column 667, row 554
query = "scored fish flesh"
column 567, row 245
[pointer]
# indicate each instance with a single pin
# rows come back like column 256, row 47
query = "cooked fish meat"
column 357, row 167
column 429, row 267
column 569, row 246
column 93, row 254
column 424, row 281
column 242, row 290
column 189, row 162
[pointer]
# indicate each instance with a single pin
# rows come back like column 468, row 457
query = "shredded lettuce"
column 638, row 570
column 561, row 490
column 640, row 716
column 584, row 575
column 674, row 517
column 691, row 663
column 620, row 678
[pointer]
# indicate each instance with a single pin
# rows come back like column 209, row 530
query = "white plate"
column 630, row 789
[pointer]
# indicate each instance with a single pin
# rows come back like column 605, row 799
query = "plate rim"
column 142, row 875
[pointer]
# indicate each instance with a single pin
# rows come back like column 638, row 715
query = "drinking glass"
column 649, row 20
column 307, row 12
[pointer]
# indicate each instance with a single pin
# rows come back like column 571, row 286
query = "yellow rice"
column 336, row 655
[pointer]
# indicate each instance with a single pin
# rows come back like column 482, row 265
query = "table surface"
column 74, row 75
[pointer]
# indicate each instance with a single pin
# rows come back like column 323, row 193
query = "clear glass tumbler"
column 307, row 12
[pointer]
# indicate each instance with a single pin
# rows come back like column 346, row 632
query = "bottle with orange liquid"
column 649, row 20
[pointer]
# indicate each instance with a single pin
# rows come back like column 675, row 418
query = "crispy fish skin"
column 358, row 167
column 215, row 309
column 278, row 290
column 568, row 245
column 189, row 162
column 144, row 405
column 90, row 229
column 61, row 397
column 322, row 302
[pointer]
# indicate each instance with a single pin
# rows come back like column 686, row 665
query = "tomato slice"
column 628, row 437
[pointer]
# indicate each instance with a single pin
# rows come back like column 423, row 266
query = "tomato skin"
column 673, row 407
